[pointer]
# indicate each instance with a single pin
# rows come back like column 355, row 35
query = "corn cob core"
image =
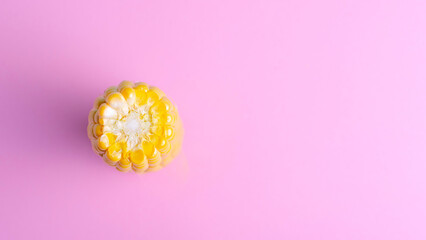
column 135, row 126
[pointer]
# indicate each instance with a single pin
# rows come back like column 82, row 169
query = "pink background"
column 304, row 119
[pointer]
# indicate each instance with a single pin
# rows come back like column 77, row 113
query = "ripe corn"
column 134, row 126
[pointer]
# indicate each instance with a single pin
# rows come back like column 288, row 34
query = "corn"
column 134, row 126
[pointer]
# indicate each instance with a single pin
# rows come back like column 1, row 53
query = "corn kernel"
column 152, row 96
column 90, row 131
column 124, row 84
column 157, row 91
column 158, row 108
column 116, row 101
column 96, row 148
column 114, row 152
column 141, row 98
column 169, row 119
column 157, row 130
column 142, row 85
column 98, row 102
column 155, row 160
column 168, row 104
column 130, row 95
column 169, row 132
column 110, row 90
column 92, row 115
column 106, row 140
column 107, row 112
column 163, row 145
column 148, row 148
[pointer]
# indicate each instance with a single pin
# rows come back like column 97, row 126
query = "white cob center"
column 133, row 127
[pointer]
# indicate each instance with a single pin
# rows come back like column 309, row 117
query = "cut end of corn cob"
column 134, row 126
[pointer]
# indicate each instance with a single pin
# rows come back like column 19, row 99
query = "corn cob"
column 135, row 126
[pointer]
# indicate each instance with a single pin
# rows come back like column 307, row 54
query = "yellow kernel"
column 124, row 165
column 137, row 157
column 114, row 152
column 158, row 108
column 157, row 129
column 169, row 133
column 163, row 145
column 117, row 102
column 155, row 139
column 125, row 149
column 106, row 122
column 98, row 102
column 169, row 119
column 124, row 84
column 106, row 140
column 110, row 90
column 92, row 115
column 155, row 161
column 157, row 119
column 90, row 133
column 95, row 147
column 141, row 84
column 167, row 103
column 97, row 130
column 121, row 169
column 159, row 93
column 152, row 96
column 130, row 95
column 124, row 162
column 141, row 97
column 148, row 148
column 140, row 168
column 96, row 117
column 106, row 111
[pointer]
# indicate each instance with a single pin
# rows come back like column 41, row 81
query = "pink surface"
column 304, row 119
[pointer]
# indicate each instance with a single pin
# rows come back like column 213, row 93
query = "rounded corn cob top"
column 135, row 126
